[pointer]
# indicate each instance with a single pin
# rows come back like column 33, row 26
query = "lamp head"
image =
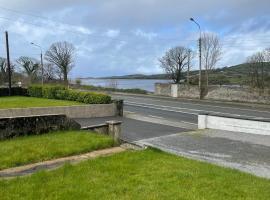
column 191, row 19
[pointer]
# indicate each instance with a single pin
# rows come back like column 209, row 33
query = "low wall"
column 236, row 124
column 34, row 125
column 163, row 89
column 81, row 111
column 112, row 128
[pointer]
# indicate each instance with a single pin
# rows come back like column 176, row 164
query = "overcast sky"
column 117, row 37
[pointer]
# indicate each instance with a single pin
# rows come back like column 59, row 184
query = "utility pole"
column 41, row 62
column 200, row 65
column 189, row 54
column 8, row 65
column 42, row 69
column 200, row 57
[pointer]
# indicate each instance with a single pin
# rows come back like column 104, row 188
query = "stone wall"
column 34, row 125
column 81, row 111
column 224, row 93
column 163, row 89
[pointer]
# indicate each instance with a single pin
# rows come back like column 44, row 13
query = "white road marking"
column 162, row 109
column 224, row 107
column 159, row 117
column 176, row 109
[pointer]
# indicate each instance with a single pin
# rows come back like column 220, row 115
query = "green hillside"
column 236, row 74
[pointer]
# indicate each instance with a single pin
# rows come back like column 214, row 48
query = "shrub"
column 100, row 88
column 35, row 91
column 49, row 92
column 62, row 93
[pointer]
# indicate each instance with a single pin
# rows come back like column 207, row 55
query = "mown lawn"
column 26, row 102
column 148, row 174
column 30, row 149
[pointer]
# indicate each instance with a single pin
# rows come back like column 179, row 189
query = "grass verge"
column 30, row 149
column 27, row 102
column 148, row 174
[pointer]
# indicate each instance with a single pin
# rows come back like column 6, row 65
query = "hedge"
column 15, row 91
column 100, row 88
column 62, row 93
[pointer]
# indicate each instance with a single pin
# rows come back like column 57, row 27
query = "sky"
column 119, row 37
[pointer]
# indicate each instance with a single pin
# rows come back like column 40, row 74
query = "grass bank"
column 30, row 149
column 27, row 102
column 148, row 174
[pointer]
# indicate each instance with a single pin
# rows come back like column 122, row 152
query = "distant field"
column 26, row 102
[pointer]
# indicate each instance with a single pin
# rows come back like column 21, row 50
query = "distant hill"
column 236, row 74
column 138, row 76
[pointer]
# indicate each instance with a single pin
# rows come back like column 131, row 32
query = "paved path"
column 246, row 152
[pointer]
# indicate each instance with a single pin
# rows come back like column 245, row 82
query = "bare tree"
column 174, row 62
column 257, row 64
column 211, row 54
column 50, row 72
column 30, row 66
column 191, row 55
column 4, row 70
column 61, row 54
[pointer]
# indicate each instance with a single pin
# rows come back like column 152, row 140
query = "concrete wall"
column 231, row 123
column 34, row 125
column 82, row 111
column 111, row 128
column 163, row 89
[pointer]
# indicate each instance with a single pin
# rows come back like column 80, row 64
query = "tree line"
column 59, row 62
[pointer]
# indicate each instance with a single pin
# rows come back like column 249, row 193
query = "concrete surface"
column 242, row 151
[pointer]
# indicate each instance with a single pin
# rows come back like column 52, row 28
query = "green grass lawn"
column 148, row 174
column 26, row 102
column 30, row 149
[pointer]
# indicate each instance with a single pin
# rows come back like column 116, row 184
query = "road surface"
column 186, row 110
column 148, row 117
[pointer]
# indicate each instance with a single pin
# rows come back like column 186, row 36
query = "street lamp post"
column 41, row 62
column 200, row 57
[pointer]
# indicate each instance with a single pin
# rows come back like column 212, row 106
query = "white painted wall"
column 232, row 124
column 174, row 90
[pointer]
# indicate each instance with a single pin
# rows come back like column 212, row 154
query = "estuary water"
column 144, row 84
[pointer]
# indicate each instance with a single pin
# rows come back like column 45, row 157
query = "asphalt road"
column 186, row 110
column 149, row 117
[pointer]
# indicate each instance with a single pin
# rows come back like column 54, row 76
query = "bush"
column 35, row 91
column 62, row 93
column 15, row 91
column 84, row 97
column 100, row 88
column 49, row 92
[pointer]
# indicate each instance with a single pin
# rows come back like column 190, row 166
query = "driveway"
column 242, row 151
